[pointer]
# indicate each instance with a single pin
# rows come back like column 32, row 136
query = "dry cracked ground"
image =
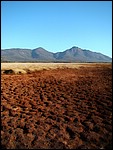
column 57, row 109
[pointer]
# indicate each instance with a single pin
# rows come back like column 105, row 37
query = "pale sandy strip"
column 39, row 66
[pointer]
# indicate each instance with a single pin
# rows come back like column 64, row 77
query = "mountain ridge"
column 74, row 54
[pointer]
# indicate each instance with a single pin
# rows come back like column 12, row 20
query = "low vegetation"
column 22, row 68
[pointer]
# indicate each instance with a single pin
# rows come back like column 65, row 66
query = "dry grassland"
column 21, row 68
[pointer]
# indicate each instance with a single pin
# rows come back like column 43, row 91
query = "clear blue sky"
column 57, row 25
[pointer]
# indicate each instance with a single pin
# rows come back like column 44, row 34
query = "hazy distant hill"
column 16, row 54
column 73, row 54
column 41, row 54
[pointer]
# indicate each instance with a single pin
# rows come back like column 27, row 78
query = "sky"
column 57, row 25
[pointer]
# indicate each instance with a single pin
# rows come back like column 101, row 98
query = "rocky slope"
column 73, row 54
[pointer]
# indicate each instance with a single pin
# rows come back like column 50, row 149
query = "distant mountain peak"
column 39, row 48
column 75, row 47
column 74, row 54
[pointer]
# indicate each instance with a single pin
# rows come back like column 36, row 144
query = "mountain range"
column 74, row 54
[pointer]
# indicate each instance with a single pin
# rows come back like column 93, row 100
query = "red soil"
column 62, row 108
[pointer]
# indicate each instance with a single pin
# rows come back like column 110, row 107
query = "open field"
column 29, row 67
column 68, row 107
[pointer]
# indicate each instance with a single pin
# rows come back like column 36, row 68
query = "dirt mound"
column 57, row 109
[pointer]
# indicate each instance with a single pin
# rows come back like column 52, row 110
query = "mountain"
column 16, row 54
column 74, row 54
column 41, row 54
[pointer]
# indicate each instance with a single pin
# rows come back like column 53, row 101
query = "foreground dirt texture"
column 62, row 108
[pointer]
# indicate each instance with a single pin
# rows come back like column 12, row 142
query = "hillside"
column 73, row 54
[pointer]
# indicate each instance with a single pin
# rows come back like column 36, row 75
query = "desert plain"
column 56, row 106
